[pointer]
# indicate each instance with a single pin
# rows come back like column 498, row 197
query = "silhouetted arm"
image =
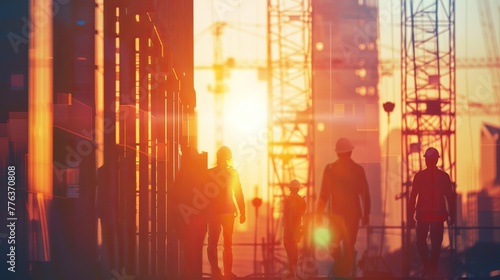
column 365, row 194
column 413, row 198
column 450, row 198
column 302, row 206
column 238, row 193
column 323, row 195
column 365, row 198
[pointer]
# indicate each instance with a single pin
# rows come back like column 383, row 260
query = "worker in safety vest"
column 432, row 187
column 345, row 187
column 294, row 207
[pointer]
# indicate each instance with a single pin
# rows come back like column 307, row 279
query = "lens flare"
column 322, row 236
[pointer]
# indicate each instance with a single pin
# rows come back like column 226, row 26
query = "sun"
column 246, row 114
column 245, row 106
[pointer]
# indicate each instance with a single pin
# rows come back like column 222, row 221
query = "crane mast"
column 219, row 88
column 290, row 137
column 491, row 44
column 428, row 95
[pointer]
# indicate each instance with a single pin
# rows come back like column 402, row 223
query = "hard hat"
column 224, row 153
column 294, row 184
column 343, row 145
column 431, row 153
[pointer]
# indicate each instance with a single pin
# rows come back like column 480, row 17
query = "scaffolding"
column 148, row 51
column 428, row 95
column 291, row 152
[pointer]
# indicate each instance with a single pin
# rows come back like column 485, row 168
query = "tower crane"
column 221, row 67
column 428, row 72
column 492, row 49
column 219, row 88
column 477, row 108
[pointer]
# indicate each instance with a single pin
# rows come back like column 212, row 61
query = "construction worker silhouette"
column 294, row 207
column 431, row 186
column 344, row 185
column 224, row 184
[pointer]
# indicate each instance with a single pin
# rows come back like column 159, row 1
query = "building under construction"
column 345, row 93
column 103, row 93
column 98, row 127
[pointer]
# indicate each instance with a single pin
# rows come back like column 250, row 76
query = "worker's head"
column 431, row 157
column 223, row 156
column 294, row 186
column 344, row 148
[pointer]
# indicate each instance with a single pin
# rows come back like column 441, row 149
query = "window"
column 17, row 82
column 339, row 110
column 370, row 118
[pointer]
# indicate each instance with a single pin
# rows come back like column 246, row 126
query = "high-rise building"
column 483, row 207
column 345, row 93
column 97, row 100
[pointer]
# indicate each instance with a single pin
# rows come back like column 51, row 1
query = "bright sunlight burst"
column 246, row 115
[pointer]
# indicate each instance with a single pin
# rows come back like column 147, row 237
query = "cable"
column 330, row 85
column 392, row 52
column 467, row 93
column 386, row 191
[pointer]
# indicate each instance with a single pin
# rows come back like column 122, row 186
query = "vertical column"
column 172, row 152
column 161, row 107
column 155, row 83
column 108, row 194
column 127, row 153
column 40, row 125
column 143, row 142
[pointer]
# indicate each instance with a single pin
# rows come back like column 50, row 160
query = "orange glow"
column 99, row 82
column 245, row 126
column 40, row 123
column 117, row 79
column 99, row 232
column 247, row 115
column 322, row 236
column 40, row 114
column 44, row 226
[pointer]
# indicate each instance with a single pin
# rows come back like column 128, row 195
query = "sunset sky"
column 244, row 39
column 98, row 127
